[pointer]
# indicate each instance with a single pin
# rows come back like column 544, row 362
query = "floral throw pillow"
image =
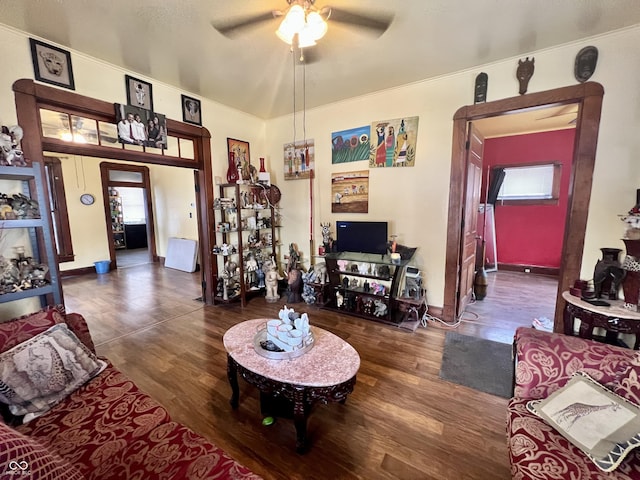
column 42, row 371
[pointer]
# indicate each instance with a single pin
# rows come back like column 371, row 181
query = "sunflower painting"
column 350, row 145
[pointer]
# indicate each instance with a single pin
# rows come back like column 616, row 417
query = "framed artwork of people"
column 139, row 93
column 51, row 64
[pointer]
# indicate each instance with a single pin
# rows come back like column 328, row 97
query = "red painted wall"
column 531, row 234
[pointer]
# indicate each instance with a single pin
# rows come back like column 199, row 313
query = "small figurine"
column 308, row 292
column 251, row 266
column 327, row 240
column 293, row 261
column 271, row 281
column 320, row 274
column 380, row 308
column 294, row 280
column 10, row 152
column 339, row 300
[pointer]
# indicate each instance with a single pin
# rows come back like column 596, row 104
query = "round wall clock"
column 87, row 199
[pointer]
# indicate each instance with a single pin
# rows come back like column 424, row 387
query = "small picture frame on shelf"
column 191, row 110
column 51, row 64
column 139, row 93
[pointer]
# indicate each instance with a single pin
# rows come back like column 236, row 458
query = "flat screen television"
column 365, row 237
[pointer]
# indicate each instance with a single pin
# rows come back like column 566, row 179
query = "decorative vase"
column 232, row 169
column 608, row 274
column 631, row 283
column 262, row 170
column 480, row 284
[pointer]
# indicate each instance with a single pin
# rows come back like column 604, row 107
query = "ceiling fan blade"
column 235, row 26
column 379, row 22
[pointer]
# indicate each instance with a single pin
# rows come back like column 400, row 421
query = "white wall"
column 415, row 200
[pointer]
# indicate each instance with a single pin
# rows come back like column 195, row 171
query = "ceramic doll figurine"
column 271, row 281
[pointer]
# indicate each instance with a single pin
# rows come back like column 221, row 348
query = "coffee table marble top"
column 331, row 361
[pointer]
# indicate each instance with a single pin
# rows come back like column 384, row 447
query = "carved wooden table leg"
column 568, row 320
column 232, row 375
column 300, row 418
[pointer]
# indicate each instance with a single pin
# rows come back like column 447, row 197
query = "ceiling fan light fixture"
column 286, row 37
column 293, row 22
column 316, row 25
column 309, row 26
column 306, row 38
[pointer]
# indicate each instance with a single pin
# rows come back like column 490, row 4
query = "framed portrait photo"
column 139, row 93
column 191, row 110
column 52, row 64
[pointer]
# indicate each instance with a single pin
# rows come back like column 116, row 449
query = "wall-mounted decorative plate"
column 87, row 199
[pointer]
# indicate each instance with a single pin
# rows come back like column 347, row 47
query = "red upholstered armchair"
column 544, row 363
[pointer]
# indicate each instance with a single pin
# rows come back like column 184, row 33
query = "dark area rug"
column 481, row 364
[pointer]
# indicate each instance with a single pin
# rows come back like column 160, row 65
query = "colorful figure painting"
column 298, row 159
column 394, row 143
column 350, row 145
column 350, row 192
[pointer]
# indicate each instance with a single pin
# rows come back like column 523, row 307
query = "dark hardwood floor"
column 401, row 421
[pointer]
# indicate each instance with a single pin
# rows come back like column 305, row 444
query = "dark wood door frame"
column 145, row 184
column 31, row 96
column 589, row 98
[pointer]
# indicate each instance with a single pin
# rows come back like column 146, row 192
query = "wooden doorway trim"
column 589, row 98
column 31, row 96
column 105, row 168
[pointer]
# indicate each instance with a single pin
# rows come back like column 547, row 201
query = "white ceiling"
column 173, row 41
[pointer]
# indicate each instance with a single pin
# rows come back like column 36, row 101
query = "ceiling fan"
column 303, row 23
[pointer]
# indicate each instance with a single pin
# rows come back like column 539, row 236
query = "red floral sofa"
column 544, row 363
column 105, row 429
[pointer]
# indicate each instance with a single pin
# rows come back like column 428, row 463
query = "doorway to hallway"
column 128, row 214
column 130, row 230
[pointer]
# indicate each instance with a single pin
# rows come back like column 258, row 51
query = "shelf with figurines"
column 224, row 250
column 33, row 272
column 21, row 276
column 246, row 234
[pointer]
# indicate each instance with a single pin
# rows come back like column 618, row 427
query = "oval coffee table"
column 327, row 373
